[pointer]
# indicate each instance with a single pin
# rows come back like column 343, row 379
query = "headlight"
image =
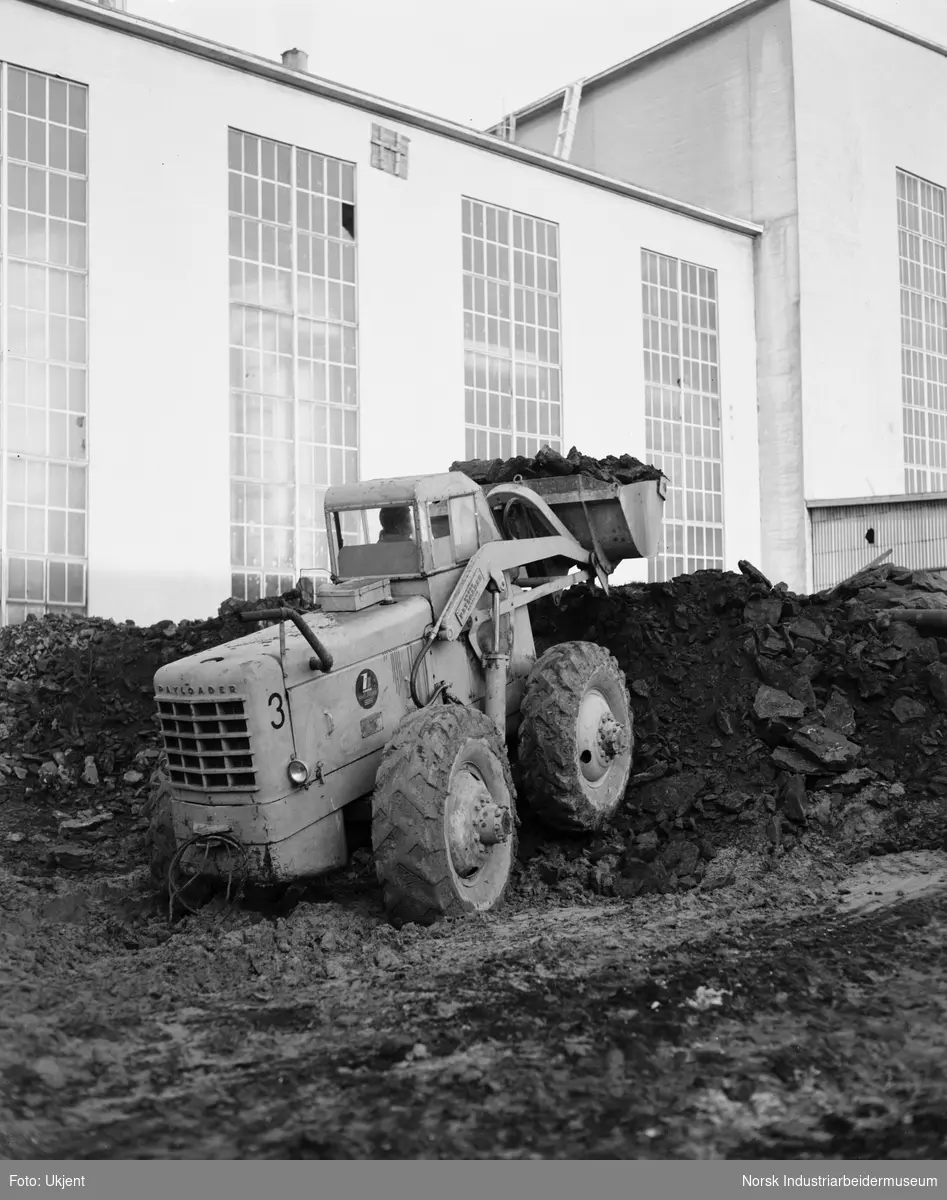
column 298, row 772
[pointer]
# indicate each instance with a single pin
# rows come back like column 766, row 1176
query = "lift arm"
column 490, row 564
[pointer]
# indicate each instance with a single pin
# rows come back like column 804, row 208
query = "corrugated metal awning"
column 848, row 534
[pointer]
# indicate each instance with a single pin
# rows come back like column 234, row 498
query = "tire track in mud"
column 646, row 1031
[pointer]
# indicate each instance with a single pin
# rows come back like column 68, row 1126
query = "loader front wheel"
column 161, row 840
column 443, row 816
column 576, row 737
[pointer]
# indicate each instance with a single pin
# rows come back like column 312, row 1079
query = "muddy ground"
column 748, row 963
column 792, row 1006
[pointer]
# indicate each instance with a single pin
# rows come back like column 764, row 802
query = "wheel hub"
column 612, row 737
column 474, row 823
column 600, row 738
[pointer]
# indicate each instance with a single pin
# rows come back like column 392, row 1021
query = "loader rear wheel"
column 576, row 736
column 444, row 817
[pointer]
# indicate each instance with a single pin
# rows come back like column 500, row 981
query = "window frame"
column 682, row 383
column 65, row 106
column 922, row 279
column 324, row 427
column 505, row 256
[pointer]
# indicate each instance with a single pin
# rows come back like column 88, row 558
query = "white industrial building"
column 826, row 127
column 225, row 283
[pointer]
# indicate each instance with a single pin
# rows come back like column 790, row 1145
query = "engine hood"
column 350, row 637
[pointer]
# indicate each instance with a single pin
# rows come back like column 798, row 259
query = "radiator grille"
column 208, row 744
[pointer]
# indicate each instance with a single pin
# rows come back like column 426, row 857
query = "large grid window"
column 513, row 379
column 294, row 399
column 922, row 247
column 43, row 286
column 682, row 410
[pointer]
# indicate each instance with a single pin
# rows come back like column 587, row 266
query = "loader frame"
column 494, row 569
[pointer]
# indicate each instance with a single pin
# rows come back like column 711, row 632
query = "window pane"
column 279, row 354
column 920, row 208
column 46, row 328
column 682, row 425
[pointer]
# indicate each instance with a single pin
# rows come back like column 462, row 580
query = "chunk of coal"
column 549, row 463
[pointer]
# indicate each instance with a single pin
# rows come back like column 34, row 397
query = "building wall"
column 539, row 133
column 670, row 123
column 711, row 122
column 158, row 304
column 888, row 107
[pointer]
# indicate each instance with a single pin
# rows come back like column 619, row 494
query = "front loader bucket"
column 616, row 520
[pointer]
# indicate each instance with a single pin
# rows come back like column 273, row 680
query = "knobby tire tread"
column 548, row 763
column 410, row 851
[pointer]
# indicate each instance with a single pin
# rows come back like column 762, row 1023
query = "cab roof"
column 405, row 489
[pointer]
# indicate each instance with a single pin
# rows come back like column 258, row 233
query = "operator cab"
column 406, row 528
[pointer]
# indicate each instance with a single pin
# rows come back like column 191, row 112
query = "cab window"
column 379, row 541
column 442, row 551
column 463, row 520
column 454, row 532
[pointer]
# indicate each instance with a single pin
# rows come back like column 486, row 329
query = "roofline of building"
column 874, row 501
column 670, row 45
column 175, row 39
column 712, row 25
column 886, row 26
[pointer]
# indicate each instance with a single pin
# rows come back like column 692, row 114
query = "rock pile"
column 765, row 718
column 612, row 469
column 79, row 744
column 762, row 719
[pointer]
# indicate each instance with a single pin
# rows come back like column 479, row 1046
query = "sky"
column 474, row 61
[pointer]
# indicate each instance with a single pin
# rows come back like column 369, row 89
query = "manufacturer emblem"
column 366, row 688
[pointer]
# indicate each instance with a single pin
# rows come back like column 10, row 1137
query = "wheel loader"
column 402, row 690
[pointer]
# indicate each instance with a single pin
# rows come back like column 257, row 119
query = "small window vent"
column 390, row 151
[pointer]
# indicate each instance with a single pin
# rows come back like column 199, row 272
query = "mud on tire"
column 574, row 780
column 422, row 790
column 161, row 840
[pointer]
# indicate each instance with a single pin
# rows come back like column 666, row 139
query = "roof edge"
column 720, row 21
column 885, row 26
column 669, row 46
column 874, row 501
column 175, row 39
